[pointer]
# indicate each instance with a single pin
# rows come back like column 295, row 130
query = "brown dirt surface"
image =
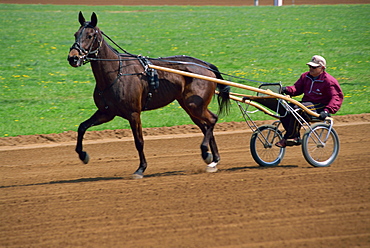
column 48, row 198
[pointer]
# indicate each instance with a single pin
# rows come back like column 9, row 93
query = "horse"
column 126, row 86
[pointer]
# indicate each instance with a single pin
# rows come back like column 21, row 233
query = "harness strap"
column 82, row 51
column 153, row 80
column 151, row 73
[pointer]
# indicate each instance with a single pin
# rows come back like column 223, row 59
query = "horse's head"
column 88, row 40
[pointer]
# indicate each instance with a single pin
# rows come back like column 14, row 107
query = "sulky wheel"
column 320, row 145
column 263, row 148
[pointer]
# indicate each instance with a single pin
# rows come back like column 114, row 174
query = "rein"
column 180, row 62
column 152, row 74
column 139, row 57
column 109, row 38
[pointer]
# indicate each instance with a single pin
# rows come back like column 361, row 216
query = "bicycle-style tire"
column 316, row 153
column 262, row 145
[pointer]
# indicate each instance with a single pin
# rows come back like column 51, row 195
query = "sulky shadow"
column 259, row 167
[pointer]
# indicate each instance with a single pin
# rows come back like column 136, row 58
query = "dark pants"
column 290, row 123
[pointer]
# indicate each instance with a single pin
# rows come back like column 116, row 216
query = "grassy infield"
column 41, row 93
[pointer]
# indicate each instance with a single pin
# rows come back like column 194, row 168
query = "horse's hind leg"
column 208, row 142
column 196, row 98
column 96, row 119
column 206, row 121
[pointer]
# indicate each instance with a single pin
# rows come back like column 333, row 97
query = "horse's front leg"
column 96, row 119
column 135, row 123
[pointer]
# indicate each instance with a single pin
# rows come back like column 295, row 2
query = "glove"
column 284, row 90
column 323, row 115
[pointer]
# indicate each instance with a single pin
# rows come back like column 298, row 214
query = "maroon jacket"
column 325, row 90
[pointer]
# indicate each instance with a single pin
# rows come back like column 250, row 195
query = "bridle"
column 84, row 54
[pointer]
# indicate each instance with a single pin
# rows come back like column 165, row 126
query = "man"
column 321, row 94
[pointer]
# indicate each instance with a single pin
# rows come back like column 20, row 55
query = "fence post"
column 278, row 2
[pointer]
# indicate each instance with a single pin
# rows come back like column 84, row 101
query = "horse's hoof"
column 85, row 158
column 212, row 167
column 137, row 176
column 209, row 158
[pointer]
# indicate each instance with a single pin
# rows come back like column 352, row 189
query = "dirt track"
column 49, row 199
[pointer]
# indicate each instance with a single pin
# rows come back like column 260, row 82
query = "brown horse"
column 126, row 86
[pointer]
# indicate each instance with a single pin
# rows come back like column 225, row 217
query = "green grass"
column 40, row 92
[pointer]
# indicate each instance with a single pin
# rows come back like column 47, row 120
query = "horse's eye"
column 89, row 37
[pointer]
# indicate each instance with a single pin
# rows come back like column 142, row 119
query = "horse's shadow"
column 80, row 180
column 166, row 174
column 95, row 179
column 154, row 175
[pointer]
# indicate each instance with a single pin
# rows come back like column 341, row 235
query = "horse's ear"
column 94, row 20
column 81, row 18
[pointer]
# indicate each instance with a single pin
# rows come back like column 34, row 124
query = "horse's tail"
column 223, row 97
